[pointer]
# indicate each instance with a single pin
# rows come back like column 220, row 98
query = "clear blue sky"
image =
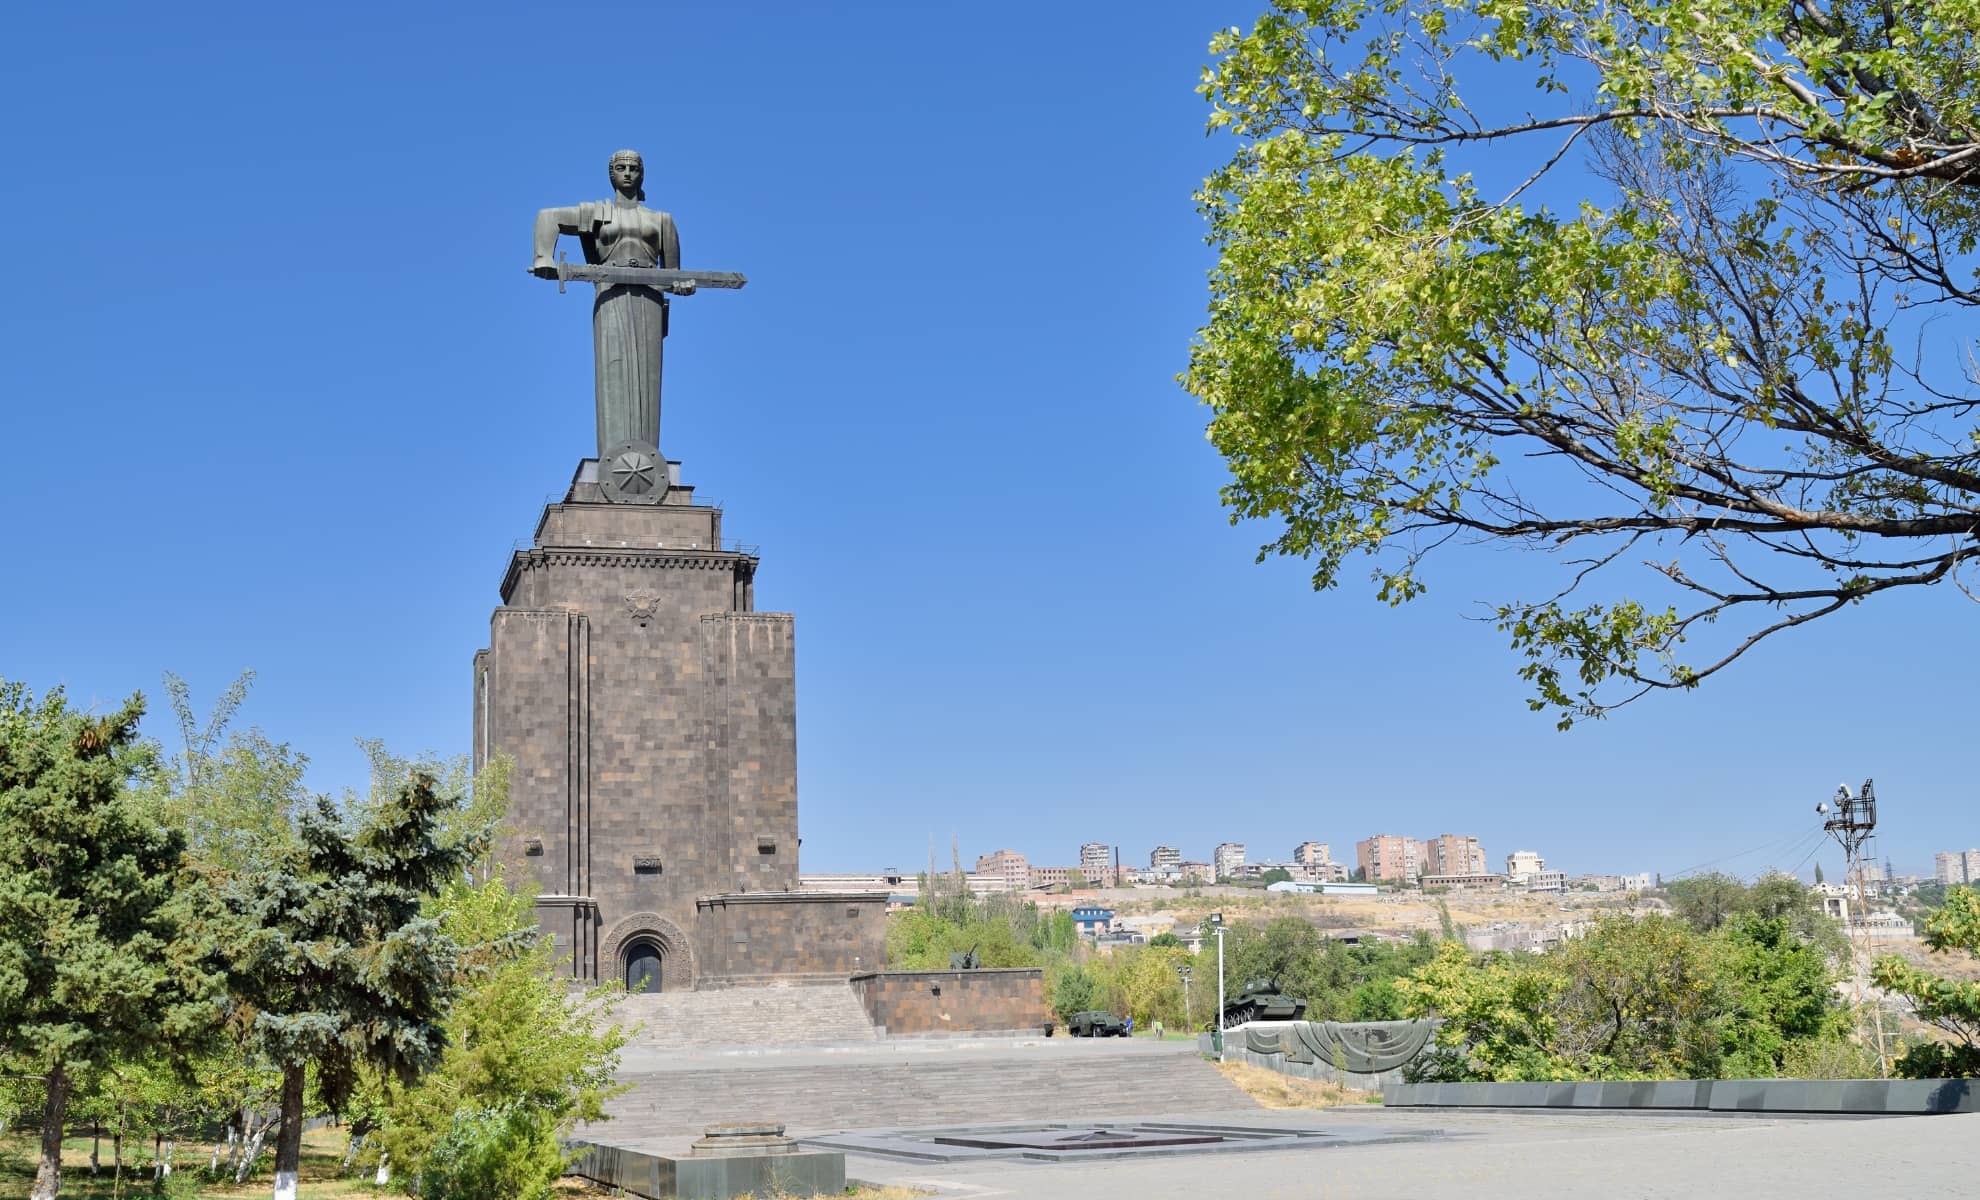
column 278, row 395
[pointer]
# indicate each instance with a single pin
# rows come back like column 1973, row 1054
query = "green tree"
column 1074, row 991
column 1699, row 367
column 337, row 968
column 1275, row 875
column 526, row 1058
column 1784, row 986
column 1635, row 997
column 97, row 957
column 1950, row 1006
column 1707, row 901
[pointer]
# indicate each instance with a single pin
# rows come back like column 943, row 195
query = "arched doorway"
column 643, row 960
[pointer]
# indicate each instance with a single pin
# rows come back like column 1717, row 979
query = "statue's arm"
column 549, row 223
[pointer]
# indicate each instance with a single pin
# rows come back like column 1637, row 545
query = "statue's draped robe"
column 628, row 323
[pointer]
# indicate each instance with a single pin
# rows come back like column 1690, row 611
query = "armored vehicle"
column 1261, row 1000
column 1096, row 1023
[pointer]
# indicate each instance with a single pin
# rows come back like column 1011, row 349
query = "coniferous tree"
column 337, row 968
column 96, row 957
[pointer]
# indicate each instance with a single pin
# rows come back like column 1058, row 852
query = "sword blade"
column 653, row 277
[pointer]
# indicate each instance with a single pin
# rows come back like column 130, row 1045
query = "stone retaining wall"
column 994, row 999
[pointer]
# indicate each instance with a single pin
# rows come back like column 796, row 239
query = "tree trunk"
column 288, row 1143
column 384, row 1168
column 251, row 1149
column 48, row 1172
column 95, row 1144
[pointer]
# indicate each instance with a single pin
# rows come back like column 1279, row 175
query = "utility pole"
column 1852, row 823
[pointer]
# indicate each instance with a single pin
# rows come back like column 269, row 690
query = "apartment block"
column 1165, row 860
column 1312, row 854
column 1521, row 864
column 1227, row 858
column 1389, row 856
column 1453, row 854
column 1096, row 862
column 1008, row 865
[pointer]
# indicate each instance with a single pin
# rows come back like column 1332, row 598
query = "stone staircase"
column 907, row 1090
column 798, row 1015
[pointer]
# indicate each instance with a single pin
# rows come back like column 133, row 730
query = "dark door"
column 643, row 968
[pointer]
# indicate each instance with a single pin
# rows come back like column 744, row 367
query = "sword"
column 657, row 278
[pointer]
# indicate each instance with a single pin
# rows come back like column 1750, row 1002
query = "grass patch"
column 1274, row 1090
column 318, row 1179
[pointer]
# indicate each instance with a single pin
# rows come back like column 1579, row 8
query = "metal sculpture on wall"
column 1363, row 1047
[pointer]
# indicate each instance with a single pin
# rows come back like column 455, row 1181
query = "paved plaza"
column 1476, row 1155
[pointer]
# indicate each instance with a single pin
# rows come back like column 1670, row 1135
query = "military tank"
column 1261, row 1000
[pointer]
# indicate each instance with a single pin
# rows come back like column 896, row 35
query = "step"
column 878, row 1094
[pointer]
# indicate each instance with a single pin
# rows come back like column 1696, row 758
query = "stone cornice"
column 1038, row 971
column 538, row 558
column 791, row 898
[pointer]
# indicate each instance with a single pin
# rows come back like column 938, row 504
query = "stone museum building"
column 649, row 709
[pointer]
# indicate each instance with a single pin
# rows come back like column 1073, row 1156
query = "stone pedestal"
column 650, row 713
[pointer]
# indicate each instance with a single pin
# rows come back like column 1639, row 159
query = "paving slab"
column 1517, row 1156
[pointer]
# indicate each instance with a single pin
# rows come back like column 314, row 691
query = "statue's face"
column 627, row 175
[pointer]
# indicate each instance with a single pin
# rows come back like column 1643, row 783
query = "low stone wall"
column 991, row 1000
column 1865, row 1097
column 685, row 1177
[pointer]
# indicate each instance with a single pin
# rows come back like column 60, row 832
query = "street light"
column 1217, row 923
column 1189, row 1018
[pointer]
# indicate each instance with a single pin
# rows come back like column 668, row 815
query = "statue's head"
column 628, row 172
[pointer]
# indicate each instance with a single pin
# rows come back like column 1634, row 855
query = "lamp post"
column 1189, row 1019
column 1217, row 923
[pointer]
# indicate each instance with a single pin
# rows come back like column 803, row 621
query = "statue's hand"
column 543, row 268
column 683, row 289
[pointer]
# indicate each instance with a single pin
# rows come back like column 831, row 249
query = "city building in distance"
column 1522, row 865
column 1452, row 854
column 1096, row 863
column 1227, row 858
column 1482, row 881
column 1312, row 854
column 1954, row 866
column 1050, row 877
column 1165, row 860
column 1009, row 866
column 1388, row 856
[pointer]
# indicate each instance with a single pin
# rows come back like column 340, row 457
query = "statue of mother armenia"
column 633, row 257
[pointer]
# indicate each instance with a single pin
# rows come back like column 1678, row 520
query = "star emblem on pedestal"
column 633, row 472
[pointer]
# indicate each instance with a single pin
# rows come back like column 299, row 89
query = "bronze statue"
column 633, row 257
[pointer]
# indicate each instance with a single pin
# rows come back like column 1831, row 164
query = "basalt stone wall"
column 759, row 937
column 651, row 716
column 984, row 1001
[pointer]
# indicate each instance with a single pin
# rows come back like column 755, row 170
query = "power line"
column 1791, row 841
